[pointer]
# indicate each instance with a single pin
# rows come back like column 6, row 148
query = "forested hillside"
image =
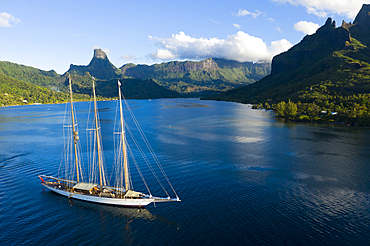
column 183, row 77
column 29, row 74
column 16, row 92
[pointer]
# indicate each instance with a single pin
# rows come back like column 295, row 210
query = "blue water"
column 244, row 177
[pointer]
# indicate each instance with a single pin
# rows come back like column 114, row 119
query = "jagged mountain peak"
column 329, row 22
column 98, row 53
column 312, row 48
column 99, row 67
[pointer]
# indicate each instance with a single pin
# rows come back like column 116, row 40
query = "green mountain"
column 100, row 67
column 189, row 76
column 183, row 77
column 36, row 76
column 135, row 89
column 16, row 92
column 19, row 92
column 142, row 81
column 327, row 71
column 131, row 88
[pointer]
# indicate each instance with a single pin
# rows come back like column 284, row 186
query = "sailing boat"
column 100, row 192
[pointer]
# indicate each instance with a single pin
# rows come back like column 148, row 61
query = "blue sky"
column 54, row 34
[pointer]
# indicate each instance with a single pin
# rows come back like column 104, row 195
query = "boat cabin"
column 84, row 187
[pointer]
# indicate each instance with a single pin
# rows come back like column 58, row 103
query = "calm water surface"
column 244, row 179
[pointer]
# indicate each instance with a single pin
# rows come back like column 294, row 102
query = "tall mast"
column 97, row 138
column 75, row 133
column 125, row 166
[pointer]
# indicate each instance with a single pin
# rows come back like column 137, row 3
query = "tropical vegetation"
column 16, row 92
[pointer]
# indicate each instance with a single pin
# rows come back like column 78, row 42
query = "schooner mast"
column 75, row 133
column 125, row 166
column 98, row 139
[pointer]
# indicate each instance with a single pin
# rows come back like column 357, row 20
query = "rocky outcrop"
column 207, row 65
column 98, row 53
column 211, row 69
column 99, row 67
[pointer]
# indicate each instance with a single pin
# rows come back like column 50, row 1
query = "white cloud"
column 237, row 26
column 306, row 27
column 6, row 20
column 348, row 8
column 162, row 54
column 240, row 47
column 244, row 12
column 128, row 57
column 279, row 29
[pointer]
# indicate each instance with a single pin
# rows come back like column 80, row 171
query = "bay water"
column 244, row 178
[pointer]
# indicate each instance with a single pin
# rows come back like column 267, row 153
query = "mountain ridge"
column 99, row 67
column 185, row 77
column 328, row 70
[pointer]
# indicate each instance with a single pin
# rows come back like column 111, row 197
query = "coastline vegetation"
column 16, row 92
column 353, row 110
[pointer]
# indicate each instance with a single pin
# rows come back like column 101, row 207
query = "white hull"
column 125, row 202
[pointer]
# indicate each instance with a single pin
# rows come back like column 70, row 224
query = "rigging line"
column 149, row 146
column 151, row 151
column 147, row 161
column 138, row 169
column 89, row 143
column 119, row 153
column 117, row 158
column 82, row 163
column 118, row 164
column 116, row 154
column 115, row 170
column 157, row 161
column 102, row 156
column 147, row 142
column 93, row 157
column 79, row 151
column 64, row 143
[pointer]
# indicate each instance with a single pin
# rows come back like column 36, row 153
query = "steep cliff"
column 312, row 48
column 329, row 66
column 99, row 67
column 186, row 77
column 361, row 25
column 190, row 76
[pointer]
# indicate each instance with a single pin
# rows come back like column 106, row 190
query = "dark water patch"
column 243, row 178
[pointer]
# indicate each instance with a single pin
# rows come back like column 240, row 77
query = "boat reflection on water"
column 129, row 214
